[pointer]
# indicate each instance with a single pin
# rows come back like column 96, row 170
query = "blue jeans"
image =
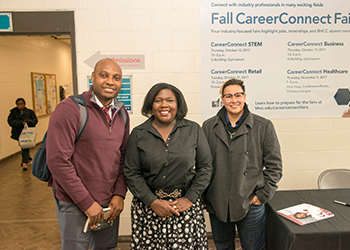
column 251, row 230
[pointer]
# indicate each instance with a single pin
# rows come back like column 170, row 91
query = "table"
column 329, row 234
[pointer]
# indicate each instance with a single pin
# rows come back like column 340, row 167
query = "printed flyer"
column 303, row 214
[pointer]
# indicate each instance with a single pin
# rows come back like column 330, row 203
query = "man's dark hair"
column 153, row 92
column 232, row 81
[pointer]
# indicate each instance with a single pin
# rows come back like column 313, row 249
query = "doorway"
column 59, row 24
column 31, row 32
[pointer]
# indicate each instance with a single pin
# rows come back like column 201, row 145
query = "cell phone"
column 102, row 225
column 106, row 211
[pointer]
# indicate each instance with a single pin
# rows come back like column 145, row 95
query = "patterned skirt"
column 149, row 231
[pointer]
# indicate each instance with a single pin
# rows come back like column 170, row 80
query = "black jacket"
column 16, row 119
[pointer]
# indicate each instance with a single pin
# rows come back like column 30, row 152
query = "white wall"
column 310, row 146
column 167, row 32
column 19, row 56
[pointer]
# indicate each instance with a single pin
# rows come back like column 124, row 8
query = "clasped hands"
column 164, row 208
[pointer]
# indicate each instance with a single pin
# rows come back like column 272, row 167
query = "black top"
column 183, row 161
column 16, row 119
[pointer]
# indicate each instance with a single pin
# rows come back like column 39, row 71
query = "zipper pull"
column 110, row 130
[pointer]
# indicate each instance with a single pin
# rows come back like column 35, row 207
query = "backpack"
column 39, row 165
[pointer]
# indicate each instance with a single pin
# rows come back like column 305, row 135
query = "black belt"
column 167, row 194
column 164, row 195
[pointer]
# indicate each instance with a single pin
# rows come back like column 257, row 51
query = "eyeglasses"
column 238, row 96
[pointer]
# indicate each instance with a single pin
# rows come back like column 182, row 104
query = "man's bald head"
column 105, row 60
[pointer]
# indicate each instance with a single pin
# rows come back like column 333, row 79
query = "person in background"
column 62, row 93
column 18, row 117
column 87, row 176
column 247, row 167
column 167, row 167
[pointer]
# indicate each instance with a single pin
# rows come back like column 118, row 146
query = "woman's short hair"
column 20, row 99
column 232, row 81
column 153, row 92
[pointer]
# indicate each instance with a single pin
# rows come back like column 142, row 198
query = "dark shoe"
column 24, row 166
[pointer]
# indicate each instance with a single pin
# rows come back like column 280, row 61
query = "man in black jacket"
column 17, row 118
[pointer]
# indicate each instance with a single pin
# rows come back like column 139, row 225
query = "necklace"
column 231, row 134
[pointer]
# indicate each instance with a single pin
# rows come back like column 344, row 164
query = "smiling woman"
column 164, row 109
column 167, row 167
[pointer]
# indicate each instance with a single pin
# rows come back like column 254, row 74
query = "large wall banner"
column 292, row 55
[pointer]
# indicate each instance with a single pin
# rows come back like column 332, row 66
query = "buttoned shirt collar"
column 101, row 105
column 148, row 124
column 229, row 122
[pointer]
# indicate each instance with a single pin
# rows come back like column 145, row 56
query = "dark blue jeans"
column 251, row 230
